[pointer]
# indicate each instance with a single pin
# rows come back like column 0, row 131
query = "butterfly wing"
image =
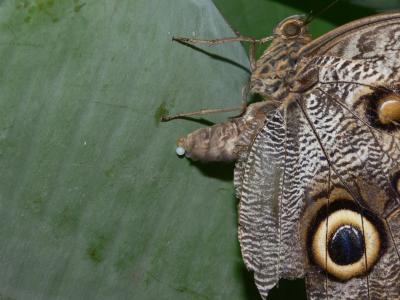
column 371, row 38
column 321, row 158
column 363, row 153
column 358, row 68
column 260, row 181
column 271, row 180
column 363, row 160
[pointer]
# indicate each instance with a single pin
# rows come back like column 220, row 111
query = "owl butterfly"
column 318, row 161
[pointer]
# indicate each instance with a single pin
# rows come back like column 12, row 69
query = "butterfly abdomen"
column 223, row 142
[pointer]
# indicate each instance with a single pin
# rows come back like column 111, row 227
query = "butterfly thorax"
column 274, row 72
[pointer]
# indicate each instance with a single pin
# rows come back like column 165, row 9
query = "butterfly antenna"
column 311, row 17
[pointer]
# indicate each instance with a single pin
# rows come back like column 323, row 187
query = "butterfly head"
column 291, row 27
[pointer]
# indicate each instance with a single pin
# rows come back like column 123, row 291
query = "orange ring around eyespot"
column 321, row 236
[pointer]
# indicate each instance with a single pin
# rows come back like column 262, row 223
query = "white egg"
column 180, row 151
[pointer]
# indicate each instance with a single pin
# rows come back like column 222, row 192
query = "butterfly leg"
column 211, row 42
column 201, row 112
column 252, row 56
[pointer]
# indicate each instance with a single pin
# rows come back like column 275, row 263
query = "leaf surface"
column 94, row 202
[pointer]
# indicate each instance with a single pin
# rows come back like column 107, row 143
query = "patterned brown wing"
column 371, row 38
column 356, row 89
column 271, row 180
column 363, row 154
column 319, row 186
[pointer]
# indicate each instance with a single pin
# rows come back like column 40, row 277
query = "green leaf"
column 94, row 202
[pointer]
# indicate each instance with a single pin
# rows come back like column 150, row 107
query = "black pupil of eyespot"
column 292, row 29
column 346, row 245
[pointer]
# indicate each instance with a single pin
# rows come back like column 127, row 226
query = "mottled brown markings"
column 354, row 197
column 395, row 213
column 385, row 205
column 357, row 117
column 317, row 137
column 343, row 34
column 345, row 64
column 364, row 46
column 335, row 83
column 266, row 68
column 382, row 199
column 392, row 236
column 274, row 66
column 306, row 79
